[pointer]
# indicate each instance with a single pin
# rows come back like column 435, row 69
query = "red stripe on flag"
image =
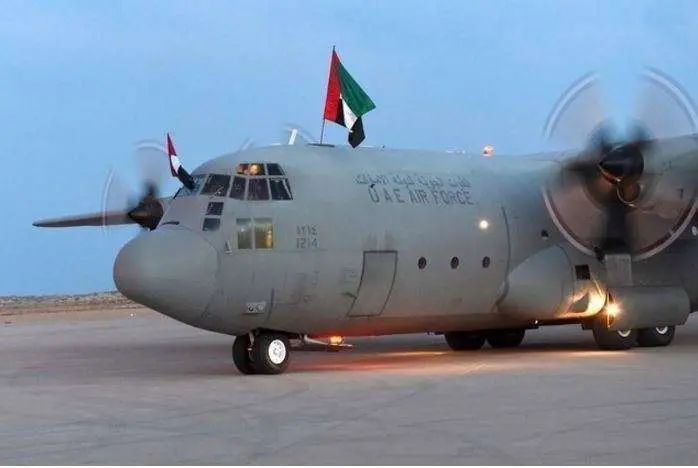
column 333, row 90
column 171, row 152
column 170, row 146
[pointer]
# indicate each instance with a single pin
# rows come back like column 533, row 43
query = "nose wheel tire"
column 463, row 341
column 505, row 338
column 270, row 353
column 241, row 355
column 655, row 337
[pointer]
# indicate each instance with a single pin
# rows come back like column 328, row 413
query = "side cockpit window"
column 185, row 192
column 265, row 181
column 216, row 185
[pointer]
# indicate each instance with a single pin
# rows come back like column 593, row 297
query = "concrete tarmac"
column 112, row 388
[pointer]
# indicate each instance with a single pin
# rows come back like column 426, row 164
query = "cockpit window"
column 275, row 169
column 265, row 181
column 238, row 191
column 211, row 224
column 251, row 169
column 258, row 190
column 216, row 185
column 185, row 192
column 279, row 189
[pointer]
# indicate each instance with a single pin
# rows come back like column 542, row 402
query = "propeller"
column 141, row 207
column 618, row 172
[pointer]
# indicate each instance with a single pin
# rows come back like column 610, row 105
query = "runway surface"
column 111, row 388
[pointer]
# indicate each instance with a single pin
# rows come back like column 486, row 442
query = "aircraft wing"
column 90, row 219
column 147, row 213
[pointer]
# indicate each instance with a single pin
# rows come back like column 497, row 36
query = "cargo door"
column 377, row 278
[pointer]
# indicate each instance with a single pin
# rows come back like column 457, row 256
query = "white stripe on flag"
column 174, row 162
column 349, row 116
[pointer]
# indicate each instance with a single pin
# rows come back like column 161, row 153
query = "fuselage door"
column 377, row 280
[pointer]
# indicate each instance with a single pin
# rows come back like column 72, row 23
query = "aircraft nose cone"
column 172, row 271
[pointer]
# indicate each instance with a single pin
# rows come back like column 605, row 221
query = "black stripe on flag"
column 356, row 136
column 186, row 179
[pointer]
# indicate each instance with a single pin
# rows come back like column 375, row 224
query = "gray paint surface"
column 149, row 390
column 512, row 272
column 377, row 279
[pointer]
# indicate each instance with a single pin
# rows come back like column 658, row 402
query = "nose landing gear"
column 261, row 353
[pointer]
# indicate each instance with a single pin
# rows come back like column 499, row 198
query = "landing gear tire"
column 655, row 337
column 505, row 338
column 613, row 340
column 464, row 341
column 241, row 355
column 270, row 353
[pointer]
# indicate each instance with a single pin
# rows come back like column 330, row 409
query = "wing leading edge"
column 91, row 219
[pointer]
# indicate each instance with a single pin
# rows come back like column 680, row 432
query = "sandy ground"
column 128, row 386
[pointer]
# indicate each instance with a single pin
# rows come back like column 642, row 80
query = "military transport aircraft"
column 313, row 241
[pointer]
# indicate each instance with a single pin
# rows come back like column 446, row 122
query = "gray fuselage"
column 373, row 241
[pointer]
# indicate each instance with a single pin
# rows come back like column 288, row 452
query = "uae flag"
column 346, row 101
column 176, row 167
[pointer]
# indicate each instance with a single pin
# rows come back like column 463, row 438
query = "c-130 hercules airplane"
column 315, row 241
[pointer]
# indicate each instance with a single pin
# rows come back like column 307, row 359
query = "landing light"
column 612, row 310
column 597, row 301
column 483, row 224
column 336, row 340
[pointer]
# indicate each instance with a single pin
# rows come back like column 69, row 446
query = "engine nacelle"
column 545, row 286
column 648, row 307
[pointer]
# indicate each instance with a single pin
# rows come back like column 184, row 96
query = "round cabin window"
column 422, row 263
column 454, row 263
column 485, row 262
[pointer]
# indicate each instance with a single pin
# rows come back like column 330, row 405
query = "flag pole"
column 322, row 129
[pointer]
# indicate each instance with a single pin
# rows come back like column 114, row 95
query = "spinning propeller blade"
column 618, row 171
column 120, row 205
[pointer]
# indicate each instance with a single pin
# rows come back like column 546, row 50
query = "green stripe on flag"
column 355, row 97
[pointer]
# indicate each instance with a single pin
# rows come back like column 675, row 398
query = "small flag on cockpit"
column 176, row 166
column 346, row 102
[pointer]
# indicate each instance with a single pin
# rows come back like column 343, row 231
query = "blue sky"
column 82, row 81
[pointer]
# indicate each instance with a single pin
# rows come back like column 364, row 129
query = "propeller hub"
column 622, row 163
column 147, row 214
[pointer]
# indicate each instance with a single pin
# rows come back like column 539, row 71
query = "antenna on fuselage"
column 292, row 138
column 298, row 135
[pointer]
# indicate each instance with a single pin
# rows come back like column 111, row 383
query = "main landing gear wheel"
column 241, row 354
column 505, row 338
column 655, row 337
column 270, row 353
column 613, row 340
column 462, row 341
